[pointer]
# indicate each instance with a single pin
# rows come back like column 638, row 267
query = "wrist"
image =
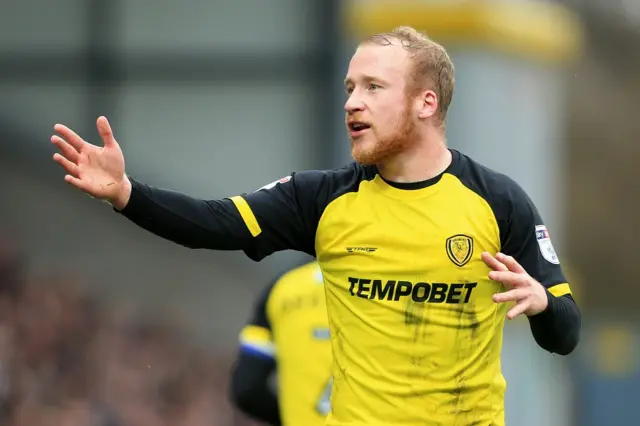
column 550, row 307
column 121, row 198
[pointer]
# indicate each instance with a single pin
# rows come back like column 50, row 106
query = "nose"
column 353, row 104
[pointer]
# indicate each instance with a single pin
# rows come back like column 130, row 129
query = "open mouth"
column 357, row 127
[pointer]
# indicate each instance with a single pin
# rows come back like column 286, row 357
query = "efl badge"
column 546, row 248
column 460, row 249
column 272, row 184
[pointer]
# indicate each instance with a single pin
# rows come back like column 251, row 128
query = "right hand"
column 98, row 171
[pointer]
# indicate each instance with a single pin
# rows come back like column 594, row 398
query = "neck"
column 425, row 161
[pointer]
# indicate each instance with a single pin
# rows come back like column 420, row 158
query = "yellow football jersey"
column 416, row 337
column 290, row 324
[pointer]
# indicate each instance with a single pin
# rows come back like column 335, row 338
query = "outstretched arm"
column 280, row 216
column 188, row 221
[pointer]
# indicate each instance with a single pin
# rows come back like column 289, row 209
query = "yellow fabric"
column 426, row 306
column 297, row 312
column 247, row 215
column 539, row 31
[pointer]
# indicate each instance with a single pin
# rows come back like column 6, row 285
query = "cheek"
column 391, row 122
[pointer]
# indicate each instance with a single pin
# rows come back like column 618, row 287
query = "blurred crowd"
column 69, row 358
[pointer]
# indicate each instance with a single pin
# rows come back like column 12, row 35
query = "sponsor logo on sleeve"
column 274, row 183
column 546, row 248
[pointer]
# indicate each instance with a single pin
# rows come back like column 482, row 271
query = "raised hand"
column 529, row 294
column 97, row 170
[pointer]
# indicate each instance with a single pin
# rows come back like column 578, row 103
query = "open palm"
column 98, row 171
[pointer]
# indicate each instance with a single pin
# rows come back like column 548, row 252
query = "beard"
column 380, row 149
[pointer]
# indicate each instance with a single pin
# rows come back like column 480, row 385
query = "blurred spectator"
column 69, row 359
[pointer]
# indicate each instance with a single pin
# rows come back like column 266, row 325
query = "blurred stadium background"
column 102, row 324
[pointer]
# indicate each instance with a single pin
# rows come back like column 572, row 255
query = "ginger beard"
column 376, row 146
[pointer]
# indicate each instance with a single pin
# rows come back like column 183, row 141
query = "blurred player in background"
column 422, row 249
column 287, row 334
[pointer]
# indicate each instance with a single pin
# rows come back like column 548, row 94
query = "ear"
column 428, row 106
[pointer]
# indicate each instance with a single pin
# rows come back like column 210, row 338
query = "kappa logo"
column 459, row 249
column 274, row 183
column 361, row 249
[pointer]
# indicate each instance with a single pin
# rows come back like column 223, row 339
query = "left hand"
column 529, row 294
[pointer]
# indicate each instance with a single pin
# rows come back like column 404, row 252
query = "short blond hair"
column 432, row 68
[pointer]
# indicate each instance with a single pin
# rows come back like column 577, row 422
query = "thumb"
column 104, row 129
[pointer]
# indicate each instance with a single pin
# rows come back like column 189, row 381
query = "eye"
column 373, row 87
column 348, row 90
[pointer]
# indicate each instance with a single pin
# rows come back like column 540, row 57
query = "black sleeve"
column 286, row 213
column 249, row 388
column 525, row 237
column 280, row 216
column 191, row 222
column 557, row 329
column 255, row 364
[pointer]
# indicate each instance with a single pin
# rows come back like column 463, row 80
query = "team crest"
column 459, row 249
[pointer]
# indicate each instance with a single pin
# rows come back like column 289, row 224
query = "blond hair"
column 432, row 67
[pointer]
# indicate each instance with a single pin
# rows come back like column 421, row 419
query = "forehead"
column 387, row 62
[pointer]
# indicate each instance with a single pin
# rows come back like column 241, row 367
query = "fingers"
column 70, row 137
column 502, row 262
column 518, row 295
column 66, row 149
column 510, row 263
column 104, row 128
column 69, row 166
column 519, row 309
column 509, row 278
column 80, row 184
column 507, row 270
column 492, row 262
column 511, row 295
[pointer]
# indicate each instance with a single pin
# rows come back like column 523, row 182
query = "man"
column 288, row 333
column 421, row 248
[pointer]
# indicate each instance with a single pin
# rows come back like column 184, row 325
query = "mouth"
column 357, row 128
